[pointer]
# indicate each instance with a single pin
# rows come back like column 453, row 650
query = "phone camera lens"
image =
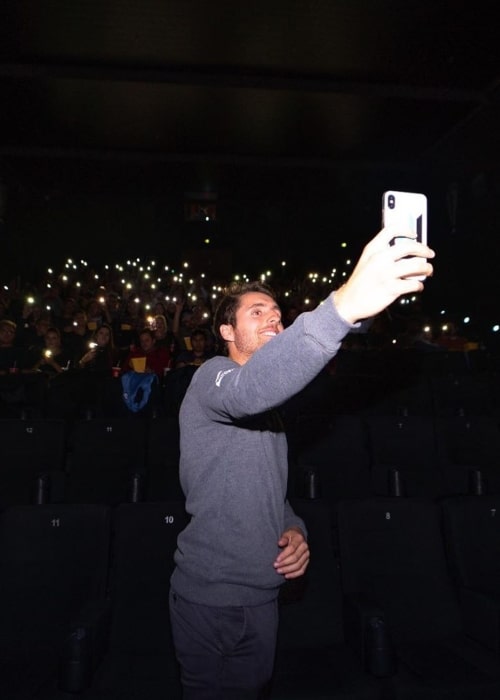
column 391, row 201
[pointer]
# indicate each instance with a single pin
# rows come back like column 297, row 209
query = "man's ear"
column 227, row 332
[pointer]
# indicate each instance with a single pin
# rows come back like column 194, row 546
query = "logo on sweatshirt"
column 220, row 376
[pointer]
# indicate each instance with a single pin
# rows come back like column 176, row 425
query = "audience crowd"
column 102, row 326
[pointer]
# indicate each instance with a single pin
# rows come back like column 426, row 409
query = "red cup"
column 115, row 371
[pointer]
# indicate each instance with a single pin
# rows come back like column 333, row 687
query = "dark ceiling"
column 299, row 99
column 314, row 83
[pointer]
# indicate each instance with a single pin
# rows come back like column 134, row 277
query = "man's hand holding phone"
column 386, row 271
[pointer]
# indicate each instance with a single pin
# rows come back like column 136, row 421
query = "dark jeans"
column 225, row 653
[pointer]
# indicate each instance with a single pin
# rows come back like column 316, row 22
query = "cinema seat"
column 472, row 536
column 140, row 660
column 31, row 450
column 54, row 566
column 103, row 456
column 313, row 659
column 392, row 552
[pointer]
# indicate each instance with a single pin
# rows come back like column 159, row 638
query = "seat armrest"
column 366, row 632
column 84, row 646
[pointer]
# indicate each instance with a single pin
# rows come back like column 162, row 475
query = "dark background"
column 291, row 117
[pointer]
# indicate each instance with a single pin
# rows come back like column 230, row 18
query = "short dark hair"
column 225, row 313
column 147, row 331
column 198, row 331
column 53, row 329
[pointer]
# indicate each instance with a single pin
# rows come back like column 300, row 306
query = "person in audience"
column 157, row 358
column 31, row 311
column 65, row 321
column 199, row 352
column 97, row 313
column 53, row 359
column 171, row 310
column 130, row 322
column 113, row 309
column 76, row 337
column 164, row 337
column 183, row 327
column 95, row 368
column 34, row 337
column 18, row 391
column 160, row 309
column 53, row 301
column 12, row 356
column 101, row 354
column 243, row 539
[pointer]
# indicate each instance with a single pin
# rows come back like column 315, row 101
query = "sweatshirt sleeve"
column 293, row 520
column 278, row 370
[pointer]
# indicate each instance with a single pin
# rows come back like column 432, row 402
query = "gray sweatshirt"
column 234, row 463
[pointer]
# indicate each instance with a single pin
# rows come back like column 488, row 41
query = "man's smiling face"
column 258, row 320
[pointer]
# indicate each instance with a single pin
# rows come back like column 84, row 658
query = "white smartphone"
column 406, row 211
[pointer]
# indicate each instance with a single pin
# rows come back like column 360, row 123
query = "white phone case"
column 406, row 211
